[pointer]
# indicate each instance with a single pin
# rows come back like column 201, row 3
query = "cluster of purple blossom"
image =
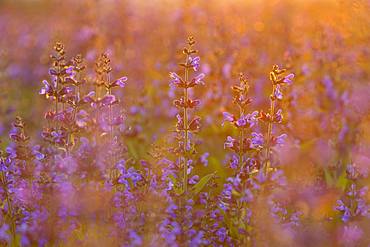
column 81, row 181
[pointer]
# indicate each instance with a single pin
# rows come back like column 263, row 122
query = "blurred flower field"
column 184, row 123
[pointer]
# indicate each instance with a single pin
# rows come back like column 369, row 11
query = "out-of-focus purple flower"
column 352, row 172
column 107, row 100
column 82, row 118
column 247, row 196
column 280, row 140
column 204, row 159
column 227, row 191
column 351, row 235
column 235, row 181
column 36, row 152
column 279, row 178
column 4, row 232
column 135, row 239
column 261, row 177
column 197, row 240
column 221, row 234
column 329, row 87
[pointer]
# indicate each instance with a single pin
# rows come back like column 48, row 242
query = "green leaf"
column 173, row 179
column 342, row 181
column 328, row 178
column 132, row 149
column 178, row 190
column 203, row 182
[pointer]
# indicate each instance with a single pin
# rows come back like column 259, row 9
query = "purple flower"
column 198, row 80
column 46, row 89
column 280, row 140
column 36, row 153
column 261, row 177
column 194, row 62
column 65, row 91
column 279, row 178
column 241, row 122
column 180, row 122
column 234, row 162
column 257, row 140
column 235, row 181
column 351, row 235
column 229, row 143
column 288, row 79
column 121, row 82
column 135, row 239
column 252, row 118
column 204, row 159
column 194, row 179
column 82, row 118
column 107, row 100
column 227, row 117
column 278, row 118
column 89, row 97
column 175, row 78
column 341, row 206
column 277, row 93
column 221, row 234
column 247, row 196
column 352, row 172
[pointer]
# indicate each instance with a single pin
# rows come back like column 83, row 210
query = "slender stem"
column 56, row 98
column 110, row 119
column 241, row 140
column 56, row 91
column 269, row 131
column 10, row 210
column 96, row 112
column 241, row 164
column 186, row 133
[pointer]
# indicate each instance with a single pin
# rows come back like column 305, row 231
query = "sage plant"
column 243, row 162
column 274, row 115
column 183, row 222
column 185, row 124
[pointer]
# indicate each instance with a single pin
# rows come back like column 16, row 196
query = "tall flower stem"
column 10, row 210
column 110, row 121
column 186, row 133
column 241, row 141
column 269, row 130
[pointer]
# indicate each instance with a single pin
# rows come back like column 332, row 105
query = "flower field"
column 184, row 123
